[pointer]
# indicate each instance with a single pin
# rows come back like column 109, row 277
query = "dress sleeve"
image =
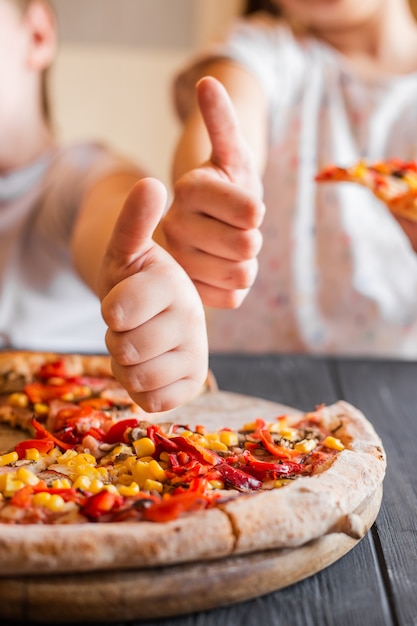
column 74, row 171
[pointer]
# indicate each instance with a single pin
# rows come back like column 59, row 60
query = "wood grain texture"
column 387, row 392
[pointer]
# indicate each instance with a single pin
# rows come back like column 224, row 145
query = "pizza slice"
column 394, row 182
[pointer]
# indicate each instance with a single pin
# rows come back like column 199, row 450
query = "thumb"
column 132, row 234
column 229, row 149
column 141, row 212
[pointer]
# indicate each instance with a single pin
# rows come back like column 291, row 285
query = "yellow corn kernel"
column 157, row 471
column 84, row 457
column 67, row 456
column 82, row 482
column 360, row 170
column 210, row 437
column 96, row 486
column 61, row 483
column 116, row 450
column 9, row 457
column 124, row 479
column 146, row 459
column 216, row 445
column 111, row 489
column 289, row 433
column 55, row 502
column 18, row 399
column 129, row 490
column 129, row 463
column 68, row 397
column 26, row 476
column 411, row 180
column 86, row 470
column 141, row 472
column 334, row 443
column 3, row 481
column 41, row 498
column 280, row 423
column 40, row 408
column 229, row 438
column 144, row 447
column 164, row 456
column 121, row 468
column 32, row 454
column 153, row 485
column 103, row 473
column 9, row 484
column 281, row 482
column 306, row 445
column 55, row 453
column 216, row 484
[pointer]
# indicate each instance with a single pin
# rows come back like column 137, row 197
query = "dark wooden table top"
column 375, row 584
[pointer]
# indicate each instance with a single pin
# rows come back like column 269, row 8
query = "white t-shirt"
column 44, row 305
column 337, row 273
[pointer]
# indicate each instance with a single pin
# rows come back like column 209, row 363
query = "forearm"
column 249, row 102
column 95, row 223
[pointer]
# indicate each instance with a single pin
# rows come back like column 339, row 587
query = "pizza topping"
column 150, row 474
column 90, row 461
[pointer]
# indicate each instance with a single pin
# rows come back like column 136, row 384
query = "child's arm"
column 156, row 327
column 212, row 226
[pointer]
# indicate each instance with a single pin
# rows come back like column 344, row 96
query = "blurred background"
column 112, row 78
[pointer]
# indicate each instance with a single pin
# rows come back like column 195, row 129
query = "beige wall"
column 112, row 77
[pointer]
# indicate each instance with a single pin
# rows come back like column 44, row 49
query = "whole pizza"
column 94, row 475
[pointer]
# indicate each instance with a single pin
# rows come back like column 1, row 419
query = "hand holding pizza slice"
column 394, row 182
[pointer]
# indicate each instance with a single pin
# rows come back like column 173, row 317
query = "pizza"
column 394, row 182
column 96, row 483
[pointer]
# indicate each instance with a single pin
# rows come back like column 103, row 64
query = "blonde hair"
column 22, row 6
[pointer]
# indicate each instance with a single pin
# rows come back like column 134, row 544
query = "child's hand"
column 157, row 333
column 212, row 227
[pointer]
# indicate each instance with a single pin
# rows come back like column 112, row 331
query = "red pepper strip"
column 39, row 392
column 116, row 433
column 162, row 443
column 238, row 478
column 279, row 451
column 100, row 503
column 203, row 455
column 97, row 433
column 71, row 415
column 98, row 404
column 264, row 470
column 56, row 369
column 42, row 433
column 43, row 445
column 172, row 506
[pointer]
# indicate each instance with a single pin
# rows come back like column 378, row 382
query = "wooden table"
column 375, row 584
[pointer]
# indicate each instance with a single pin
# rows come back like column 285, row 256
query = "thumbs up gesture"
column 212, row 226
column 156, row 327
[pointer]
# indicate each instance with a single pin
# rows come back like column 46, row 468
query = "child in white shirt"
column 324, row 83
